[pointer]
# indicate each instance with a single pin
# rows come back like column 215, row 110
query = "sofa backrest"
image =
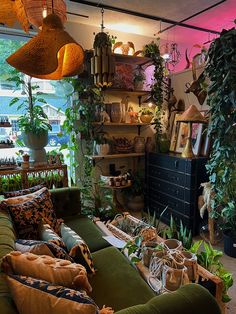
column 66, row 201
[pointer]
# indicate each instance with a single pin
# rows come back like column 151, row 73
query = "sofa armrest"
column 189, row 299
column 66, row 201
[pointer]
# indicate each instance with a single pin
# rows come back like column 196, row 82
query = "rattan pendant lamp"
column 52, row 54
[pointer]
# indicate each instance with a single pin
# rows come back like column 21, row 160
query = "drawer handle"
column 176, row 164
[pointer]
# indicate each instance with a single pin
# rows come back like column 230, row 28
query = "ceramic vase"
column 116, row 112
column 139, row 144
column 149, row 146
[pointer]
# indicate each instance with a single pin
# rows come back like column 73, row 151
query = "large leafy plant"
column 209, row 258
column 221, row 71
column 34, row 118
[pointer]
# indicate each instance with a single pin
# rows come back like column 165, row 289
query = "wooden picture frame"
column 174, row 133
column 197, row 129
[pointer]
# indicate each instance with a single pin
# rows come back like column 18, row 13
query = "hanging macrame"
column 102, row 62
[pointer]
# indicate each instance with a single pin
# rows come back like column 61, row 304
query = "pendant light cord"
column 102, row 24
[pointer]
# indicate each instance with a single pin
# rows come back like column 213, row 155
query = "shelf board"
column 131, row 59
column 116, row 187
column 128, row 91
column 114, row 156
column 120, row 123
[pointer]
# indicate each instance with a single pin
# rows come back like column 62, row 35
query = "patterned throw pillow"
column 42, row 248
column 23, row 192
column 46, row 233
column 28, row 211
column 37, row 296
column 77, row 248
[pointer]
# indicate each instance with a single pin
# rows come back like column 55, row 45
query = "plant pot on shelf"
column 102, row 149
column 229, row 244
column 146, row 118
column 36, row 144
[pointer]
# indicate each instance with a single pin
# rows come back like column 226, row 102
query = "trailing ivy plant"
column 152, row 51
column 221, row 71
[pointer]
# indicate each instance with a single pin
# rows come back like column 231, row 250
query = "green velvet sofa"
column 116, row 282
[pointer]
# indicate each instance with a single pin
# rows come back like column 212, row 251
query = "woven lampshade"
column 52, row 54
column 192, row 114
column 34, row 10
column 13, row 11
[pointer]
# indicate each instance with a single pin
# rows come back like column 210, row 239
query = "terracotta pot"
column 146, row 118
column 173, row 244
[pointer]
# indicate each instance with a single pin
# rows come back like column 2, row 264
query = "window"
column 54, row 101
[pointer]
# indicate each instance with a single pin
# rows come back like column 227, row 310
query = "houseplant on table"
column 34, row 123
column 221, row 71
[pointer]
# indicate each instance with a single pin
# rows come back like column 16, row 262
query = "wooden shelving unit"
column 113, row 156
column 128, row 91
column 132, row 59
column 120, row 124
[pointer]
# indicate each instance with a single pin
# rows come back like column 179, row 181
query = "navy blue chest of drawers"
column 174, row 181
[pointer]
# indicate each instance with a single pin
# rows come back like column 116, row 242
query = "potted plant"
column 134, row 194
column 34, row 123
column 146, row 115
column 220, row 70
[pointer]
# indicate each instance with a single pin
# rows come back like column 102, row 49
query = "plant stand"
column 202, row 273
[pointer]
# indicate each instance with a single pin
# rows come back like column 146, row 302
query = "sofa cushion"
column 66, row 201
column 28, row 211
column 23, row 192
column 117, row 283
column 57, row 271
column 190, row 298
column 88, row 231
column 46, row 233
column 33, row 296
column 42, row 248
column 77, row 248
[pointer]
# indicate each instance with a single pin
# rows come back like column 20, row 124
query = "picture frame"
column 197, row 129
column 174, row 132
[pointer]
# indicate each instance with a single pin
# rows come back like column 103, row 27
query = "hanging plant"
column 221, row 71
column 152, row 51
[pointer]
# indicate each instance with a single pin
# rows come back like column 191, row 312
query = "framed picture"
column 174, row 133
column 197, row 129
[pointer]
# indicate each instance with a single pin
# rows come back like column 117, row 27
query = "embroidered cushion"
column 77, row 248
column 23, row 192
column 54, row 270
column 42, row 248
column 28, row 211
column 34, row 296
column 46, row 233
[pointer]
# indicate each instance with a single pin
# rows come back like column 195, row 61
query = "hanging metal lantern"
column 102, row 62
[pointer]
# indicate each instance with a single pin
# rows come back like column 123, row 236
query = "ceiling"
column 216, row 18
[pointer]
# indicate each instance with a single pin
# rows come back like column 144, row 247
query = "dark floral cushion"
column 28, row 211
column 23, row 192
column 46, row 233
column 42, row 248
column 77, row 248
column 38, row 296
